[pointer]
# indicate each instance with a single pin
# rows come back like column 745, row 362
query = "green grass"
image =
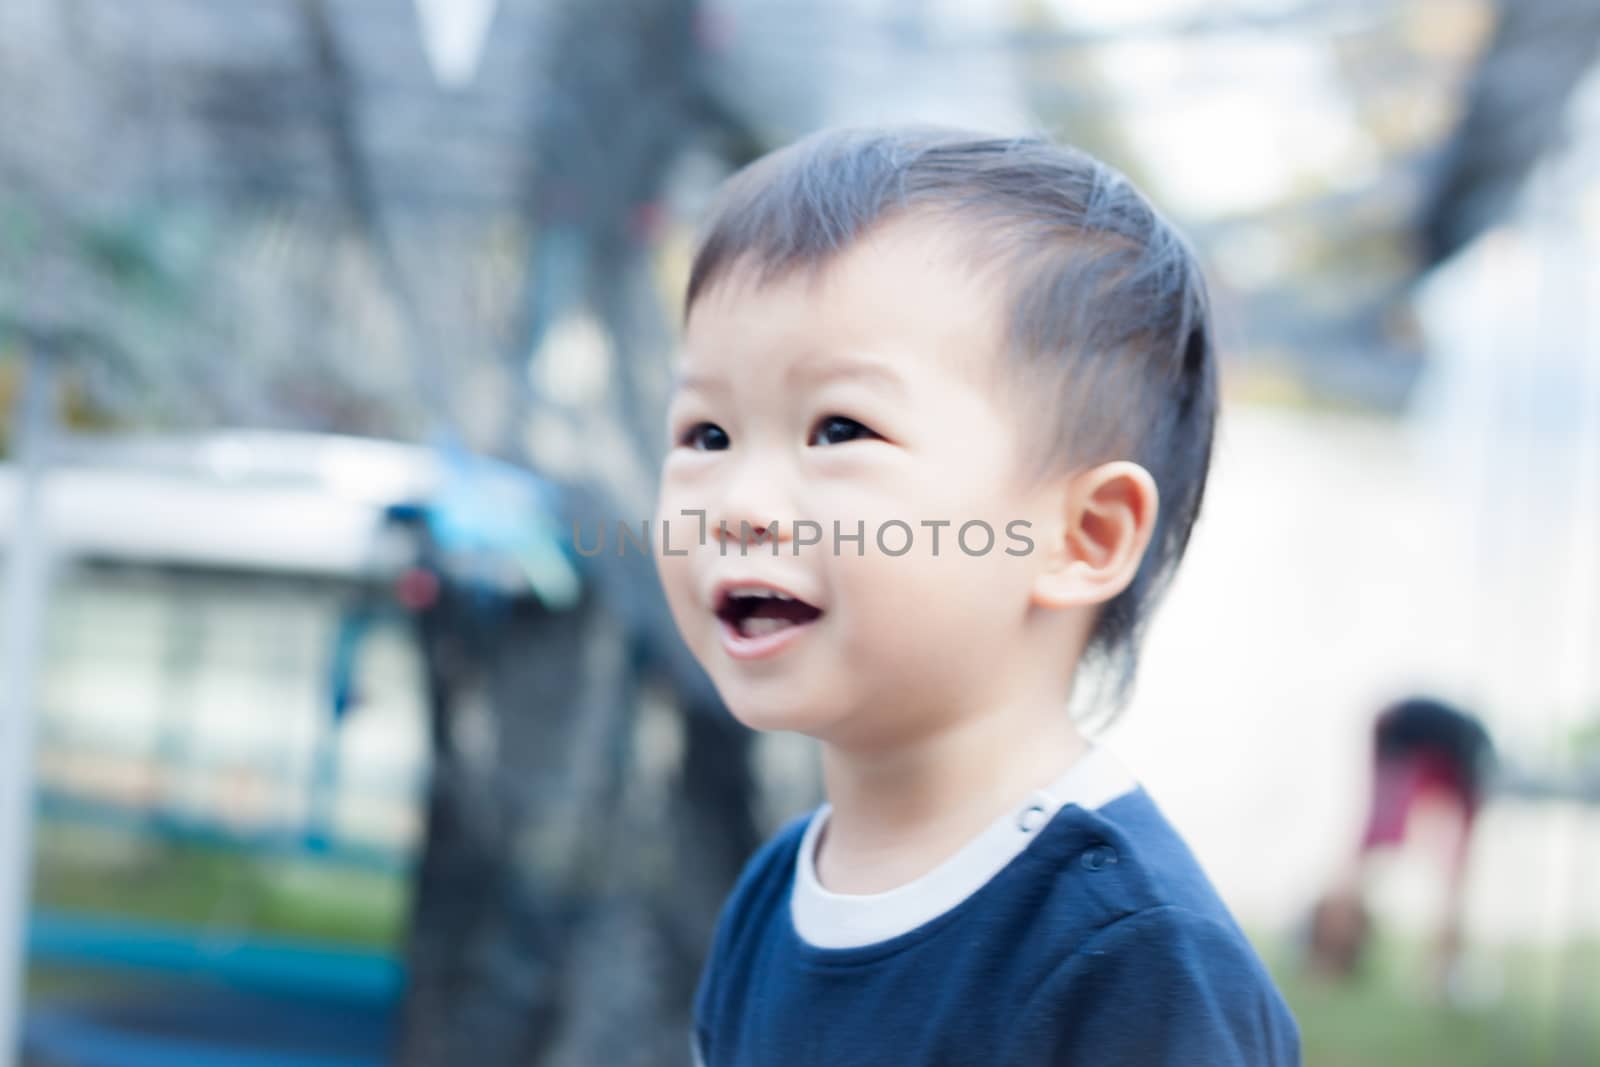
column 1546, row 1013
column 100, row 872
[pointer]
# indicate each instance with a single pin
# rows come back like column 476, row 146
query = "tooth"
column 753, row 592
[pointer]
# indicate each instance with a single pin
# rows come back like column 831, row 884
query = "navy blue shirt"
column 1101, row 943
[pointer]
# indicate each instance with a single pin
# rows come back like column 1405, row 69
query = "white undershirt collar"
column 844, row 920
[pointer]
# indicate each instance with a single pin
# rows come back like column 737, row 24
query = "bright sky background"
column 1230, row 122
column 453, row 34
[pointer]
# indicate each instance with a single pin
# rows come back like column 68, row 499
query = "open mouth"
column 753, row 611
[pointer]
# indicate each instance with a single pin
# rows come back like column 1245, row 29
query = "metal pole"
column 20, row 646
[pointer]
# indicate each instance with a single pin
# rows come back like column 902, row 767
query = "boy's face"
column 867, row 400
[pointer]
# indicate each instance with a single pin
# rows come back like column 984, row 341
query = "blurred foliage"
column 1586, row 738
column 80, row 411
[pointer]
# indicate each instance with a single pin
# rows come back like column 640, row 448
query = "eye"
column 704, row 437
column 838, row 429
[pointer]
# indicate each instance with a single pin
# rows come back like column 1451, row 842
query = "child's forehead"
column 900, row 276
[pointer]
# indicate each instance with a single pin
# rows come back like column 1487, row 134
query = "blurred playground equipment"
column 227, row 671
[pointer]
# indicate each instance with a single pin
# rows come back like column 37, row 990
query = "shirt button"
column 1098, row 856
column 1031, row 818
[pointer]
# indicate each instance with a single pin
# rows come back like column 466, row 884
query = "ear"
column 1110, row 516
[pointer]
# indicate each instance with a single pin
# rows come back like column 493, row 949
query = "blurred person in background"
column 1426, row 755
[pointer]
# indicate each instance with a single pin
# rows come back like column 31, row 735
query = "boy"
column 934, row 385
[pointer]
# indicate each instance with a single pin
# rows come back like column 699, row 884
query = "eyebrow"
column 809, row 371
column 846, row 370
column 682, row 379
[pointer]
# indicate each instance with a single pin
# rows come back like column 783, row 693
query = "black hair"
column 1108, row 322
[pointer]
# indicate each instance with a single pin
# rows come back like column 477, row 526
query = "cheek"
column 671, row 534
column 913, row 630
column 900, row 599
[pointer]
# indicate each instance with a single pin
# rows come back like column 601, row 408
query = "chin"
column 759, row 709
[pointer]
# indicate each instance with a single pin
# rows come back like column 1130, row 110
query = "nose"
column 751, row 510
column 746, row 534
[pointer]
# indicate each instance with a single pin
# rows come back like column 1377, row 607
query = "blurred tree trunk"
column 591, row 804
column 593, row 801
column 1515, row 111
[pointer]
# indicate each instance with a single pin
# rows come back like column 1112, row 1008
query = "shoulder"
column 1165, row 966
column 1147, row 864
column 762, row 885
column 1187, row 945
column 769, row 871
column 1166, row 985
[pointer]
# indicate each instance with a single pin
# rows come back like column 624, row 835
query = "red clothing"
column 1399, row 782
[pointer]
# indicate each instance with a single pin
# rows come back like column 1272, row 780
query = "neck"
column 898, row 810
